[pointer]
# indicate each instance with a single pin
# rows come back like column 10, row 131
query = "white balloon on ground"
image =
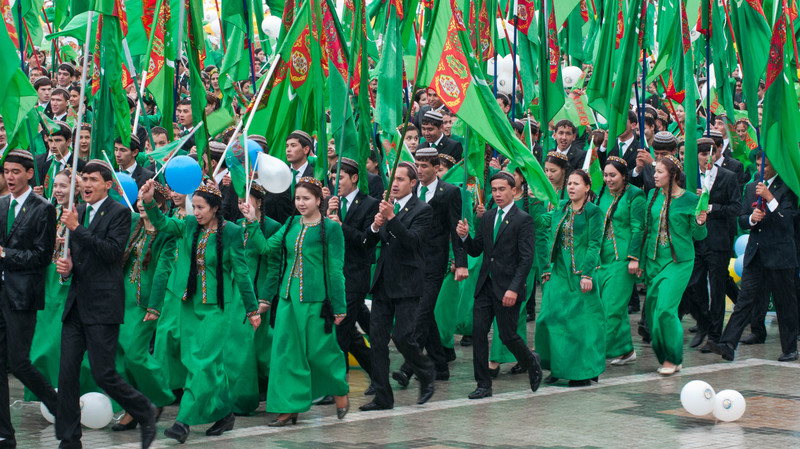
column 729, row 405
column 272, row 26
column 273, row 174
column 96, row 411
column 46, row 413
column 570, row 75
column 698, row 398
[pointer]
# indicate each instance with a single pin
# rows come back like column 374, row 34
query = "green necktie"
column 498, row 223
column 12, row 209
column 294, row 179
column 396, row 208
column 423, row 193
column 344, row 207
column 622, row 149
column 86, row 219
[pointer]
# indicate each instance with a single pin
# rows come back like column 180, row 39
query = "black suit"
column 770, row 262
column 141, row 175
column 447, row 146
column 43, row 162
column 629, row 155
column 93, row 311
column 358, row 260
column 397, row 287
column 375, row 185
column 645, row 179
column 28, row 248
column 280, row 206
column 576, row 156
column 731, row 164
column 507, row 260
column 712, row 255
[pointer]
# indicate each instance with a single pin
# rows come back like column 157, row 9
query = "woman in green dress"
column 214, row 253
column 306, row 278
column 668, row 259
column 556, row 168
column 149, row 259
column 570, row 329
column 623, row 208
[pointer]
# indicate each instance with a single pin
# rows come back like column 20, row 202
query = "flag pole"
column 79, row 122
column 708, row 73
column 116, row 178
column 248, row 21
column 514, row 73
column 642, row 140
column 219, row 19
column 22, row 44
column 175, row 151
column 55, row 41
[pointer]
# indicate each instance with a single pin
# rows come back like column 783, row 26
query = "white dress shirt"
column 430, row 192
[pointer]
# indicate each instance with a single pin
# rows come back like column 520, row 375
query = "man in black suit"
column 44, row 87
column 664, row 143
column 280, row 206
column 770, row 262
column 445, row 200
column 60, row 155
column 95, row 306
column 126, row 159
column 713, row 254
column 727, row 161
column 375, row 185
column 626, row 146
column 431, row 129
column 398, row 285
column 27, row 238
column 564, row 134
column 355, row 211
column 505, row 237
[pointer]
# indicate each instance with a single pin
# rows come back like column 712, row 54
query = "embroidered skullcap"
column 205, row 188
column 20, row 154
column 506, row 176
column 410, row 167
column 447, row 157
column 42, row 81
column 303, row 137
column 68, row 67
column 427, row 152
column 433, row 115
column 714, row 133
column 260, row 140
column 347, row 162
column 311, row 180
column 558, row 155
column 618, row 160
column 665, row 138
column 59, row 90
column 101, row 163
column 705, row 141
column 216, row 148
column 675, row 161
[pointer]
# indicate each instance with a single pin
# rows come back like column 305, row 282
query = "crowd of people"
column 217, row 303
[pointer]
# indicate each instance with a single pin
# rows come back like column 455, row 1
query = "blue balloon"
column 253, row 148
column 738, row 265
column 183, row 175
column 741, row 244
column 130, row 188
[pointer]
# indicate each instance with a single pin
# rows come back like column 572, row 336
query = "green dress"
column 622, row 242
column 167, row 346
column 570, row 329
column 204, row 324
column 666, row 277
column 306, row 361
column 150, row 260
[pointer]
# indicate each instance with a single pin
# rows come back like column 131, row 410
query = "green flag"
column 752, row 37
column 630, row 49
column 236, row 61
column 17, row 97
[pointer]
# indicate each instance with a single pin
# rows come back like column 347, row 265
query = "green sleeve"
column 274, row 267
column 255, row 238
column 637, row 212
column 164, row 257
column 541, row 247
column 699, row 232
column 241, row 273
column 170, row 225
column 594, row 230
column 335, row 263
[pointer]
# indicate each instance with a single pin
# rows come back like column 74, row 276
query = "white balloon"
column 509, row 29
column 570, row 75
column 505, row 83
column 46, row 413
column 96, row 410
column 729, row 405
column 273, row 174
column 214, row 25
column 697, row 397
column 272, row 26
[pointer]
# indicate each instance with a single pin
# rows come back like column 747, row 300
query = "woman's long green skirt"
column 616, row 285
column 666, row 282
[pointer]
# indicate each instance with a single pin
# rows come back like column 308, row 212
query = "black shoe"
column 466, row 340
column 148, row 432
column 223, row 425
column 723, row 349
column 8, row 444
column 122, row 427
column 285, row 422
column 443, row 375
column 518, row 369
column 370, row 391
column 790, row 357
column 580, row 383
column 494, row 372
column 373, row 406
column 706, row 348
column 693, row 329
column 450, row 354
column 551, row 380
column 342, row 412
column 535, row 373
column 752, row 339
column 325, row 400
column 644, row 333
column 179, row 431
column 426, row 390
column 633, row 309
column 530, row 317
column 698, row 339
column 401, row 377
column 480, row 393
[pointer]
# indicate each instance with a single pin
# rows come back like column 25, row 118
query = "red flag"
column 452, row 76
column 554, row 52
column 8, row 18
column 775, row 61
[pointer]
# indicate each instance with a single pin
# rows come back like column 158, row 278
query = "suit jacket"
column 645, row 180
column 773, row 237
column 29, row 248
column 725, row 200
column 447, row 146
column 376, row 187
column 630, row 153
column 280, row 206
column 97, row 288
column 576, row 155
column 141, row 175
column 733, row 165
column 43, row 162
column 508, row 259
column 446, row 205
column 358, row 257
column 401, row 265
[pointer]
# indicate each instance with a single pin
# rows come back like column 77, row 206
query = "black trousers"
column 100, row 341
column 402, row 313
column 759, row 315
column 16, row 334
column 487, row 307
column 755, row 280
column 710, row 273
column 427, row 332
column 349, row 338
